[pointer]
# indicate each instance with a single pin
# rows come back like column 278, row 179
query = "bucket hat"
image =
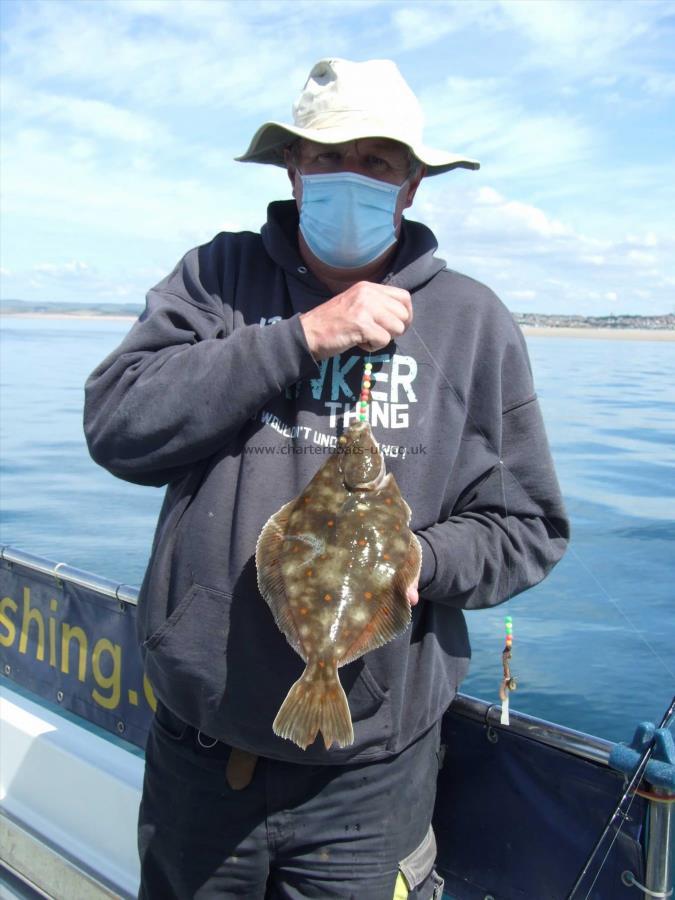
column 345, row 101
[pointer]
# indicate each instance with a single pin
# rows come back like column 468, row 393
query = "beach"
column 64, row 315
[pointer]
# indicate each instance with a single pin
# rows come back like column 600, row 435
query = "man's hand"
column 366, row 315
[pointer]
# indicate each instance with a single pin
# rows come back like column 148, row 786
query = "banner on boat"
column 75, row 647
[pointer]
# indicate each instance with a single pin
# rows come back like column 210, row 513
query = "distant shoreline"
column 610, row 334
column 106, row 317
column 555, row 331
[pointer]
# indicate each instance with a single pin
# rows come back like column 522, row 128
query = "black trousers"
column 296, row 831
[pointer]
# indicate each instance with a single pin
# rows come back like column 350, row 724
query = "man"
column 244, row 367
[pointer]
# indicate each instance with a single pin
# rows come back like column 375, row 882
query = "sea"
column 594, row 644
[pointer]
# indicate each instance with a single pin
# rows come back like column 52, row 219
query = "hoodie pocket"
column 186, row 655
column 365, row 696
column 370, row 708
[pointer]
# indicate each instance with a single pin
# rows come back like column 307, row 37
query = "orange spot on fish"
column 362, row 542
column 307, row 499
column 368, row 595
column 327, row 597
column 295, row 549
column 303, row 610
column 385, row 556
column 330, row 522
column 321, row 664
column 308, row 572
column 388, row 500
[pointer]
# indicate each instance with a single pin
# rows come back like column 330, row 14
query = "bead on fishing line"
column 364, row 397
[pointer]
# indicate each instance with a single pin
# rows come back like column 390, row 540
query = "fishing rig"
column 509, row 683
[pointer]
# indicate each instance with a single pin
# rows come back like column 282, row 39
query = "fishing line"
column 503, row 467
column 630, row 790
column 488, row 442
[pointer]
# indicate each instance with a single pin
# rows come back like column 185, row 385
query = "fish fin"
column 270, row 577
column 315, row 703
column 393, row 615
column 409, row 573
column 389, row 622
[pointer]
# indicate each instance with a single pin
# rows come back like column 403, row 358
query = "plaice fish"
column 334, row 566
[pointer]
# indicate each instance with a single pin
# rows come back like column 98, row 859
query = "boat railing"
column 64, row 572
column 578, row 743
column 523, row 776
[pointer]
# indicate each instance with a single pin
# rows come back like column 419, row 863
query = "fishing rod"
column 629, row 792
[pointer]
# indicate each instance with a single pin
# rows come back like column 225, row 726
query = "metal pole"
column 659, row 874
column 618, row 814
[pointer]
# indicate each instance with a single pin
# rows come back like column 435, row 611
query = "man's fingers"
column 395, row 299
column 393, row 314
column 376, row 338
column 395, row 292
column 366, row 315
column 391, row 322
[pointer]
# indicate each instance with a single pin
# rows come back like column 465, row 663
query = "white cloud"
column 539, row 263
column 76, row 281
column 121, row 119
column 485, row 118
column 661, row 84
column 96, row 117
column 515, row 217
column 587, row 36
column 44, row 178
column 640, row 257
column 418, row 25
column 597, row 43
column 68, row 269
column 191, row 55
column 593, row 259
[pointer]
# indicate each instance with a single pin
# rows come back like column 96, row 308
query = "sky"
column 120, row 120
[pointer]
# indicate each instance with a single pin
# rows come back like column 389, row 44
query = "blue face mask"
column 347, row 220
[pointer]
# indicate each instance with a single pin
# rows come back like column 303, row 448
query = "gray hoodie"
column 215, row 394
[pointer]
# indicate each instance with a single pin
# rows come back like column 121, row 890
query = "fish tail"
column 316, row 702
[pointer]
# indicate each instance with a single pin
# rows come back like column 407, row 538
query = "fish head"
column 361, row 463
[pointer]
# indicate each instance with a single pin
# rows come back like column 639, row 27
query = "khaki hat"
column 344, row 101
